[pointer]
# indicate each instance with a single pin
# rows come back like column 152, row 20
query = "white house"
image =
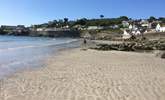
column 114, row 26
column 148, row 25
column 162, row 29
column 159, row 28
column 95, row 28
column 133, row 32
column 40, row 29
column 130, row 27
column 126, row 35
column 125, row 23
column 145, row 23
column 138, row 32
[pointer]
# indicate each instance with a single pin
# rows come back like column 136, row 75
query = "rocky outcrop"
column 160, row 54
column 156, row 35
column 133, row 46
column 102, row 35
column 163, row 55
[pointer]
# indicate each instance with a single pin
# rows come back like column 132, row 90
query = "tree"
column 66, row 20
column 101, row 16
column 50, row 24
column 82, row 21
column 124, row 18
column 2, row 32
column 60, row 23
column 55, row 23
column 151, row 19
column 162, row 19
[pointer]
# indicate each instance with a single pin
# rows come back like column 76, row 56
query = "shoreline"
column 83, row 75
column 56, row 49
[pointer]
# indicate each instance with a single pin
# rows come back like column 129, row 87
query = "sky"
column 29, row 12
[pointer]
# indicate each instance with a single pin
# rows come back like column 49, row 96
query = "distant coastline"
column 102, row 28
column 63, row 34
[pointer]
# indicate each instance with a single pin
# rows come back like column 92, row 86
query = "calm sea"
column 17, row 53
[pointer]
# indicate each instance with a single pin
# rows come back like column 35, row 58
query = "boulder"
column 163, row 55
column 134, row 46
column 160, row 54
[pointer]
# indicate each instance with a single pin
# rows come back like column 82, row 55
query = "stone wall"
column 73, row 34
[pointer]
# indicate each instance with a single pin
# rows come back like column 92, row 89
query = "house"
column 65, row 27
column 125, row 23
column 79, row 27
column 52, row 29
column 15, row 29
column 130, row 27
column 20, row 29
column 5, row 27
column 126, row 34
column 114, row 26
column 137, row 32
column 95, row 28
column 159, row 28
column 145, row 23
column 40, row 29
column 162, row 29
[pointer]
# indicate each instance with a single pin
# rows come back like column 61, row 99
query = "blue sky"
column 27, row 12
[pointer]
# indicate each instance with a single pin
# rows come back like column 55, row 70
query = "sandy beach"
column 90, row 75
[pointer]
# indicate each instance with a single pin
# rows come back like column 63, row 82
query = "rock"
column 134, row 46
column 160, row 54
column 161, row 46
column 163, row 55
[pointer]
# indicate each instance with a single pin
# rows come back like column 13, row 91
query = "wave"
column 37, row 46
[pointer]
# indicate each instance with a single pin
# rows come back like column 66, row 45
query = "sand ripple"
column 90, row 75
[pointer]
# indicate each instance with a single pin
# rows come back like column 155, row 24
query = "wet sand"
column 90, row 75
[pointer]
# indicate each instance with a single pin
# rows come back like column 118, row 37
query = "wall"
column 73, row 34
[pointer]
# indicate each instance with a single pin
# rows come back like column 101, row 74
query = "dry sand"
column 90, row 75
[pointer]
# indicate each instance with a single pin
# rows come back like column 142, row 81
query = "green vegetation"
column 1, row 31
column 162, row 19
column 111, row 26
column 117, row 30
column 151, row 19
column 101, row 16
column 102, row 21
column 83, row 22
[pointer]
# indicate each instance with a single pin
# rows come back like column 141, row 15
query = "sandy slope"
column 90, row 75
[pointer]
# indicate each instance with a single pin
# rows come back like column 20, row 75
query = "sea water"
column 17, row 53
